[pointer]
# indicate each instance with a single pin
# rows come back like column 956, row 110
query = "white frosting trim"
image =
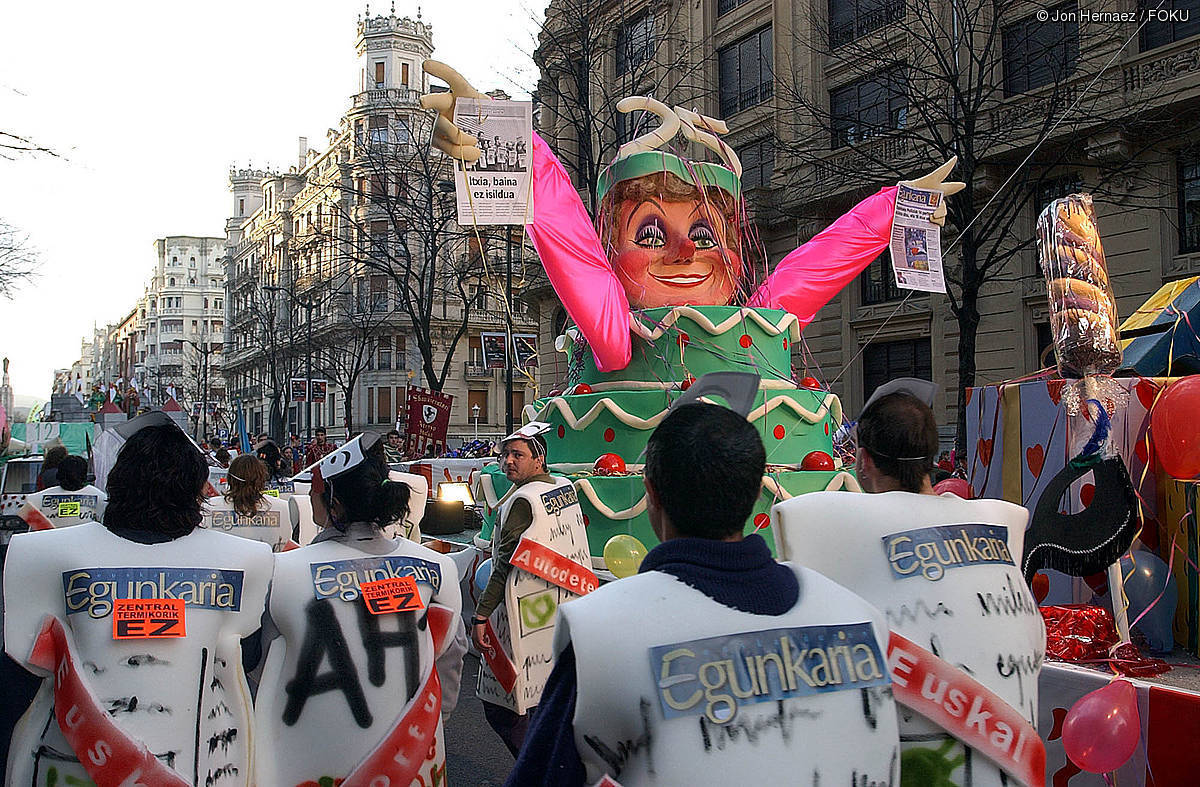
column 840, row 481
column 831, row 403
column 646, row 385
column 789, row 322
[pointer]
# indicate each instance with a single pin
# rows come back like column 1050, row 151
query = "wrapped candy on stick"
column 1083, row 313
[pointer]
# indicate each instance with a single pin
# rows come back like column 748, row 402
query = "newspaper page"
column 496, row 188
column 916, row 243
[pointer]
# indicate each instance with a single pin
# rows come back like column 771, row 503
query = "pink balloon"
column 1101, row 731
column 956, row 486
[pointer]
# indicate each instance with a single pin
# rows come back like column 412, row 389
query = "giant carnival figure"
column 660, row 291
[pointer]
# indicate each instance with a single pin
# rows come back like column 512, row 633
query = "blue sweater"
column 739, row 574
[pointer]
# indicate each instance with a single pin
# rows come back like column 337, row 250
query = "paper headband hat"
column 350, row 455
column 527, row 433
column 641, row 156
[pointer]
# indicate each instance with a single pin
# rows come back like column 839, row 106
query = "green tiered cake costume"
column 672, row 347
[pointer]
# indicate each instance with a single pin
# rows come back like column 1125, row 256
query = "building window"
column 758, row 162
column 869, row 107
column 883, row 361
column 480, row 399
column 1050, row 189
column 379, row 71
column 171, row 282
column 745, row 72
column 241, row 207
column 518, row 404
column 379, row 238
column 878, row 283
column 385, row 404
column 404, row 73
column 379, row 293
column 385, row 354
column 1038, row 53
column 1173, row 22
column 1189, row 203
column 725, row 6
column 379, row 129
column 635, row 43
column 370, row 405
column 850, row 20
column 1045, row 345
column 475, row 351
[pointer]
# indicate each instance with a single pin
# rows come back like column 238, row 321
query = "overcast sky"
column 150, row 103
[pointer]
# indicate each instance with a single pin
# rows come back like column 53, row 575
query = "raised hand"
column 447, row 137
column 936, row 181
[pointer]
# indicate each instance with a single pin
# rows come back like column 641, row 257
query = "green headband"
column 651, row 161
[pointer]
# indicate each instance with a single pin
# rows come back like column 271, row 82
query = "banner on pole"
column 494, row 356
column 299, row 389
column 525, row 354
column 427, row 422
column 318, row 389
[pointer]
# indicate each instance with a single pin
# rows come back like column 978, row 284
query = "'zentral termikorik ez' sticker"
column 714, row 677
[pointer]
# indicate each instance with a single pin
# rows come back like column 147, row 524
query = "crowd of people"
column 351, row 648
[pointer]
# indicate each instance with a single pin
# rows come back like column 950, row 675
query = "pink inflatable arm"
column 566, row 241
column 810, row 276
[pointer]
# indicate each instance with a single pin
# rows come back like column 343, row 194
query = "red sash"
column 542, row 561
column 968, row 710
column 35, row 519
column 497, row 660
column 111, row 757
column 410, row 742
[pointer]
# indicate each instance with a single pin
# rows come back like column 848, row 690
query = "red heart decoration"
column 1035, row 457
column 969, row 394
column 985, row 451
column 1054, row 389
column 1146, row 391
column 1085, row 494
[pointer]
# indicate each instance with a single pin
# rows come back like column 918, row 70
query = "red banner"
column 544, row 562
column 406, row 747
column 497, row 660
column 111, row 758
column 427, row 420
column 968, row 710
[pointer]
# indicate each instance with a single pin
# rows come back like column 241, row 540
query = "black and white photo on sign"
column 496, row 188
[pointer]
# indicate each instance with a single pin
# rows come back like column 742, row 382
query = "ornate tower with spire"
column 390, row 52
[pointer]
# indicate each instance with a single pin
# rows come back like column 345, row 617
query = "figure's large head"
column 672, row 242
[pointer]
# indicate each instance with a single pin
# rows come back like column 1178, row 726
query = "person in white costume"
column 540, row 561
column 364, row 639
column 245, row 511
column 73, row 502
column 135, row 625
column 943, row 569
column 714, row 664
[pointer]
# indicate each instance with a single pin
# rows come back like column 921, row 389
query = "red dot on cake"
column 778, row 431
column 683, row 338
column 785, row 342
column 761, row 521
column 745, row 341
column 585, row 520
column 562, row 431
column 609, row 435
column 826, row 427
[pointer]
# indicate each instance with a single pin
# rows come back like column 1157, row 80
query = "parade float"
column 666, row 290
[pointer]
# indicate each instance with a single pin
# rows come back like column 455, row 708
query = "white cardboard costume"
column 943, row 571
column 57, row 507
column 270, row 525
column 342, row 685
column 707, row 694
column 554, row 547
column 185, row 699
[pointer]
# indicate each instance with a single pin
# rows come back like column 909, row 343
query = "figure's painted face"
column 674, row 253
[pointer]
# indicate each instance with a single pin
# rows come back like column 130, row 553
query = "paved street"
column 475, row 755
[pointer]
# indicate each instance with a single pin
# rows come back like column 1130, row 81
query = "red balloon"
column 609, row 464
column 582, row 388
column 1173, row 428
column 811, row 383
column 1101, row 731
column 687, row 383
column 955, row 486
column 817, row 460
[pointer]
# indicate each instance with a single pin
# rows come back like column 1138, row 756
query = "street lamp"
column 475, row 415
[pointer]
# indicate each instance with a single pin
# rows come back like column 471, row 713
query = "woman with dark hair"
column 245, row 511
column 48, row 476
column 72, row 502
column 136, row 623
column 364, row 634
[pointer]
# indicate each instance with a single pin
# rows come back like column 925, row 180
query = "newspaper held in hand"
column 495, row 189
column 916, row 242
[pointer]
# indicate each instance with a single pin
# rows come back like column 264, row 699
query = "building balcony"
column 387, row 96
column 478, row 371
